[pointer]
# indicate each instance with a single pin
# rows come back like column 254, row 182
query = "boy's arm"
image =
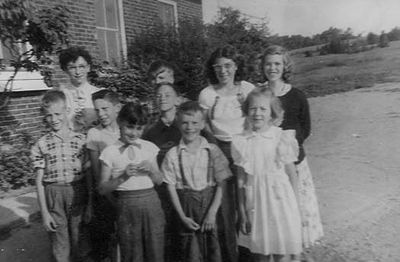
column 48, row 220
column 108, row 184
column 187, row 221
column 209, row 222
column 95, row 165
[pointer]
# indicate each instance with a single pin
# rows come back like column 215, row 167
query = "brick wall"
column 23, row 109
column 22, row 114
column 139, row 14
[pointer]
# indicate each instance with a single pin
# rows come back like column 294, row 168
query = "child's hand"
column 209, row 222
column 144, row 166
column 190, row 224
column 132, row 170
column 48, row 222
column 245, row 225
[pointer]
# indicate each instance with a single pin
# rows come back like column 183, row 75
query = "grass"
column 323, row 75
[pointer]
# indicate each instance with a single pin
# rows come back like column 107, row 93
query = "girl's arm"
column 48, row 221
column 290, row 170
column 108, row 184
column 187, row 221
column 152, row 170
column 209, row 222
column 305, row 119
column 245, row 224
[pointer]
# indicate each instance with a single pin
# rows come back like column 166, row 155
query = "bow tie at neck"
column 130, row 148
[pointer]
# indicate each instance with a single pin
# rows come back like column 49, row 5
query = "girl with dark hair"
column 222, row 101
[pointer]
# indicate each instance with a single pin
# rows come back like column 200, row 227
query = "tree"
column 383, row 40
column 372, row 39
column 45, row 30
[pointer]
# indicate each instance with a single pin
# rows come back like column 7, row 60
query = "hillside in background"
column 322, row 75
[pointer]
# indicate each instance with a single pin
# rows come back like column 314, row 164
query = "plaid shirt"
column 61, row 158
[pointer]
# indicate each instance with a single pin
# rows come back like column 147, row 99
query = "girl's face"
column 260, row 113
column 130, row 133
column 78, row 71
column 225, row 70
column 273, row 67
column 163, row 75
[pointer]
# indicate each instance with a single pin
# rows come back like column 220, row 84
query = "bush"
column 16, row 170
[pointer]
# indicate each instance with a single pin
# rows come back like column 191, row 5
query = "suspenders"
column 182, row 172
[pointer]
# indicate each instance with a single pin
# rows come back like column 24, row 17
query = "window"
column 167, row 12
column 110, row 30
column 23, row 81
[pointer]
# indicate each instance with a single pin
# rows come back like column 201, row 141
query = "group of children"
column 160, row 188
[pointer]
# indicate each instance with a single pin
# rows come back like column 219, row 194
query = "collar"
column 71, row 134
column 286, row 88
column 122, row 146
column 268, row 134
column 203, row 144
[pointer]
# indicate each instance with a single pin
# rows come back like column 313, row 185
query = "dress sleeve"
column 239, row 156
column 221, row 164
column 167, row 168
column 304, row 118
column 205, row 98
column 288, row 148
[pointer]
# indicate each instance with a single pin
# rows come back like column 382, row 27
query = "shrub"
column 16, row 170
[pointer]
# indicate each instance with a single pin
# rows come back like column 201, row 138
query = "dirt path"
column 354, row 154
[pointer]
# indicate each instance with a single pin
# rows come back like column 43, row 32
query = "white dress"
column 270, row 199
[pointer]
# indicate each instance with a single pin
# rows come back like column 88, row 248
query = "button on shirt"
column 195, row 166
column 61, row 158
column 116, row 157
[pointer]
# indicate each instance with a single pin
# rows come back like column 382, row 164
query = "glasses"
column 79, row 67
column 219, row 67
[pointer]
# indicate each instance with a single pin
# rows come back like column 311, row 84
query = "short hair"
column 52, row 97
column 133, row 114
column 173, row 86
column 228, row 52
column 72, row 54
column 156, row 65
column 189, row 108
column 287, row 61
column 106, row 94
column 275, row 104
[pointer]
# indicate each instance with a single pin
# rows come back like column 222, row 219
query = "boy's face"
column 106, row 111
column 78, row 70
column 259, row 112
column 130, row 133
column 163, row 75
column 190, row 125
column 167, row 98
column 56, row 115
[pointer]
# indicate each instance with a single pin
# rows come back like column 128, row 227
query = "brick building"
column 105, row 28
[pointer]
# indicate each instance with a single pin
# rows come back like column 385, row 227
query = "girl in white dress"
column 264, row 155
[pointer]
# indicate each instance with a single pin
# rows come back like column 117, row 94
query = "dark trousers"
column 66, row 204
column 140, row 226
column 227, row 214
column 197, row 246
column 102, row 229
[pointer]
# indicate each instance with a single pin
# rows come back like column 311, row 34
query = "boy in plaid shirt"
column 58, row 159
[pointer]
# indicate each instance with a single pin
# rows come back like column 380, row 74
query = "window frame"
column 175, row 7
column 24, row 80
column 120, row 30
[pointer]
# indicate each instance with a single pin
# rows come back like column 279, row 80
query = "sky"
column 310, row 17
